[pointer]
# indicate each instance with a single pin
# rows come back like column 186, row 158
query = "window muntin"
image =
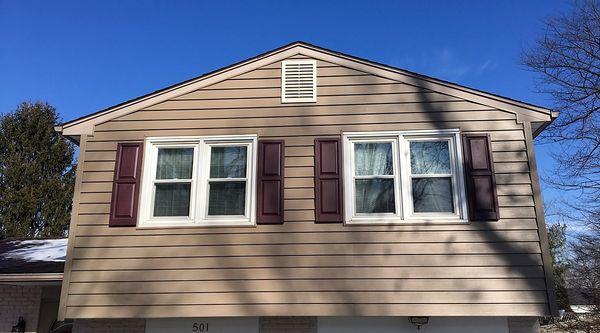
column 200, row 180
column 428, row 172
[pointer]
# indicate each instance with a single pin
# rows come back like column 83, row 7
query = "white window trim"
column 403, row 190
column 396, row 176
column 199, row 195
column 314, row 87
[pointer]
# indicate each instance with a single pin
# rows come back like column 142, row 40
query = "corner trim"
column 541, row 220
column 62, row 308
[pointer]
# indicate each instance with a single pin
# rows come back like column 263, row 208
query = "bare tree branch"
column 567, row 59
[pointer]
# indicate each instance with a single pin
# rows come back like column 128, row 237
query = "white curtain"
column 373, row 158
column 174, row 163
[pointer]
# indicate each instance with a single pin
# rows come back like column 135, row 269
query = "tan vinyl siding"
column 301, row 268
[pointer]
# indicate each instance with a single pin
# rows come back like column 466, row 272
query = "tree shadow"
column 275, row 275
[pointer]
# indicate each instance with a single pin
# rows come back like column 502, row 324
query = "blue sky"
column 82, row 56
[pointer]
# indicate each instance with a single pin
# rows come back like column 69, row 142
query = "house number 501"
column 200, row 327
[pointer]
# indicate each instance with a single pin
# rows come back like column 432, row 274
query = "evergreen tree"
column 557, row 242
column 37, row 174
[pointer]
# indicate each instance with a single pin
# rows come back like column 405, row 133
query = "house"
column 31, row 273
column 306, row 190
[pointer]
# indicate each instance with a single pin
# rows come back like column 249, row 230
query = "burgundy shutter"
column 480, row 178
column 270, row 182
column 328, row 180
column 126, row 185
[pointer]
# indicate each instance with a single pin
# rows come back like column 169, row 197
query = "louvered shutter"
column 328, row 180
column 270, row 182
column 480, row 178
column 126, row 185
column 298, row 81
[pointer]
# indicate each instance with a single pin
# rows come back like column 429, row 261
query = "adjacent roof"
column 32, row 256
column 84, row 125
column 577, row 296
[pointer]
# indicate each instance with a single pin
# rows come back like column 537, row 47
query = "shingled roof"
column 32, row 256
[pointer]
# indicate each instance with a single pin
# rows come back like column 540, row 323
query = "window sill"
column 413, row 221
column 184, row 225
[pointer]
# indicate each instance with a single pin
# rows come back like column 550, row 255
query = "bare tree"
column 584, row 268
column 567, row 57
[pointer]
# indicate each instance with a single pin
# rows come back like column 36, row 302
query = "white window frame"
column 200, row 175
column 357, row 217
column 206, row 179
column 403, row 194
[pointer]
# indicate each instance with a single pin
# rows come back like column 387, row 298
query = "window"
column 227, row 180
column 201, row 180
column 430, row 176
column 173, row 181
column 403, row 177
column 375, row 177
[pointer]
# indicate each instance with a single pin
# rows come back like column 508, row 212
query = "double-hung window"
column 198, row 181
column 430, row 176
column 399, row 177
column 173, row 182
column 227, row 180
column 375, row 177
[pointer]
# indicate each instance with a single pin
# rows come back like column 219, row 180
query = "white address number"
column 200, row 327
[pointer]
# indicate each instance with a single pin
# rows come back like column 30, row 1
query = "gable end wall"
column 301, row 268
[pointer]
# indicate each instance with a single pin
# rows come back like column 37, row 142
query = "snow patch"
column 38, row 250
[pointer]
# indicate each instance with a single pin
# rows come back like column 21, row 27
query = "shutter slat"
column 328, row 180
column 126, row 185
column 480, row 178
column 270, row 181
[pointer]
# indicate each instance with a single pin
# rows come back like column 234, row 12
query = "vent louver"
column 298, row 81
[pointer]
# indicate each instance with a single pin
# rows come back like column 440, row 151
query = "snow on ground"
column 37, row 250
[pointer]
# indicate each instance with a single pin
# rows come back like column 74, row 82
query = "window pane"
column 227, row 198
column 228, row 162
column 375, row 196
column 172, row 200
column 432, row 195
column 429, row 157
column 373, row 158
column 174, row 163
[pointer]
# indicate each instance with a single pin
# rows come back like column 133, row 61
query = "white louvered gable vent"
column 298, row 81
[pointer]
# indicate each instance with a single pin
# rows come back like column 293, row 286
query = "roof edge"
column 181, row 83
column 541, row 128
column 435, row 80
column 31, row 277
column 365, row 62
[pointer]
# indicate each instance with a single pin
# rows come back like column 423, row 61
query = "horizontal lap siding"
column 486, row 268
column 254, row 285
column 318, row 309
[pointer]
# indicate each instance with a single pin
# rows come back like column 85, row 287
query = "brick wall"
column 19, row 301
column 109, row 326
column 523, row 325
